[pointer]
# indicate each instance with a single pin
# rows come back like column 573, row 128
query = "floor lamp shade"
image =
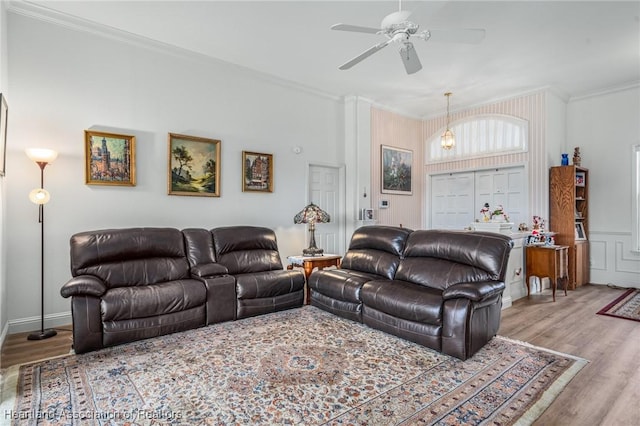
column 40, row 196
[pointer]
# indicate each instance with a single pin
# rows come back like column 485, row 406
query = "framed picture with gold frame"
column 257, row 172
column 193, row 166
column 110, row 159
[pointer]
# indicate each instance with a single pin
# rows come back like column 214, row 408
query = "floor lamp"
column 40, row 196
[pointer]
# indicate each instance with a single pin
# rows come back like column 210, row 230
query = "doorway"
column 326, row 189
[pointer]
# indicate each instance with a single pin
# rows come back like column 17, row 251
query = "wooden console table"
column 309, row 263
column 548, row 261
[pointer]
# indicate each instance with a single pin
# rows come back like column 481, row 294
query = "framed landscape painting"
column 194, row 166
column 396, row 170
column 110, row 159
column 257, row 172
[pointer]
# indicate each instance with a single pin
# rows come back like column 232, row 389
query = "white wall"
column 64, row 80
column 3, row 257
column 605, row 126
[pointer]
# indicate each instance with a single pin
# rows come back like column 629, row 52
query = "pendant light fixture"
column 448, row 139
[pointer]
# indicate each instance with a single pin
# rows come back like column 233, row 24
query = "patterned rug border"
column 604, row 311
column 555, row 389
column 10, row 376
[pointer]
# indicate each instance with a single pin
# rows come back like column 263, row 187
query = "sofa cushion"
column 404, row 300
column 439, row 273
column 268, row 284
column 246, row 249
column 439, row 259
column 123, row 303
column 130, row 257
column 340, row 284
column 376, row 250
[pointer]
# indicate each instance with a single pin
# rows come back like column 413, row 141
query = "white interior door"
column 325, row 190
column 504, row 187
column 452, row 200
column 456, row 198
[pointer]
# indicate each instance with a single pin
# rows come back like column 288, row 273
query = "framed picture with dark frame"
column 257, row 172
column 110, row 159
column 193, row 166
column 580, row 234
column 396, row 164
column 4, row 114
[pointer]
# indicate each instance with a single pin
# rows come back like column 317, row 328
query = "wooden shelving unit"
column 569, row 217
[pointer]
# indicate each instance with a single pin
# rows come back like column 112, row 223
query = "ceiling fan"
column 398, row 29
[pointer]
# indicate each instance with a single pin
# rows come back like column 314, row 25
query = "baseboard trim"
column 506, row 302
column 22, row 325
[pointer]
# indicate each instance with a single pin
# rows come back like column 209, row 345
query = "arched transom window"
column 481, row 136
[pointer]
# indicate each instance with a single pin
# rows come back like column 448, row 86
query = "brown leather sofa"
column 441, row 289
column 136, row 283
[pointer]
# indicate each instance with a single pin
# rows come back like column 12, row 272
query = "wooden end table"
column 548, row 261
column 309, row 263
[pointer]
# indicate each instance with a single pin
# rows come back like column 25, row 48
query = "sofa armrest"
column 475, row 291
column 208, row 270
column 83, row 285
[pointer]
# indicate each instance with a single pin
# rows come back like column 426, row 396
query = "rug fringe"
column 9, row 379
column 540, row 348
column 551, row 394
column 8, row 388
column 554, row 390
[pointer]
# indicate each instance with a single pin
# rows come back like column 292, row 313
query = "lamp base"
column 312, row 251
column 43, row 334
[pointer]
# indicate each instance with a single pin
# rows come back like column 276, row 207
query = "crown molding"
column 45, row 14
column 618, row 88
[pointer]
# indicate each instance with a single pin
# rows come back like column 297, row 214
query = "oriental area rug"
column 626, row 306
column 302, row 366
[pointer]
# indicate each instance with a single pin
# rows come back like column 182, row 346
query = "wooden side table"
column 309, row 263
column 548, row 261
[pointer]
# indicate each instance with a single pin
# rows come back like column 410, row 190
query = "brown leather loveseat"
column 136, row 283
column 441, row 289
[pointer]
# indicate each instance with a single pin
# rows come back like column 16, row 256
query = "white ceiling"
column 575, row 48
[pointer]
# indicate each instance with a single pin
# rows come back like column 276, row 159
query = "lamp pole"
column 40, row 196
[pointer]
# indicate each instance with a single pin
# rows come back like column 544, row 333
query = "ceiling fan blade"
column 410, row 58
column 462, row 35
column 355, row 28
column 364, row 55
column 395, row 18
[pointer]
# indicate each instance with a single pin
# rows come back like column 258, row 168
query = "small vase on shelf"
column 565, row 160
column 576, row 156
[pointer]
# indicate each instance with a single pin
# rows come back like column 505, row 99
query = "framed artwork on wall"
column 193, row 166
column 257, row 172
column 396, row 166
column 580, row 234
column 4, row 113
column 110, row 159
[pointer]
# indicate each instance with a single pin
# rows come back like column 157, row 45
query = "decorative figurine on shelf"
column 576, row 156
column 496, row 215
column 565, row 160
column 486, row 216
column 538, row 225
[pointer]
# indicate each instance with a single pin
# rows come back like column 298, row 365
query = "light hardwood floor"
column 605, row 392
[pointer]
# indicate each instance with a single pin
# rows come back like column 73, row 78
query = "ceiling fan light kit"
column 397, row 28
column 448, row 139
